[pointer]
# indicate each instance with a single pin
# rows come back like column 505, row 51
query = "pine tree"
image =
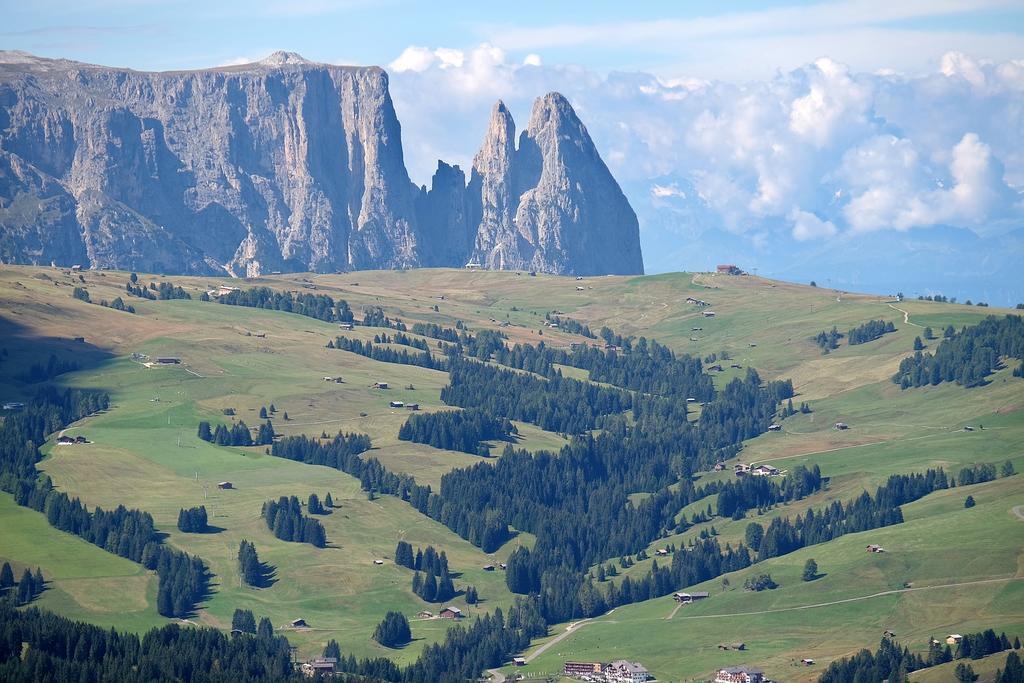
column 810, row 570
column 265, row 629
column 6, row 577
column 969, row 502
column 263, row 412
column 204, row 431
column 471, row 596
column 332, row 649
column 328, row 501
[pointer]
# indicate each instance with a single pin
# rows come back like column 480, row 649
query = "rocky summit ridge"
column 285, row 165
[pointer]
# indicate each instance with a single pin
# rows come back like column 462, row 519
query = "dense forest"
column 319, row 306
column 456, row 430
column 40, row 646
column 966, row 357
column 285, row 519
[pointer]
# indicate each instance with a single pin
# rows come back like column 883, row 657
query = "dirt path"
column 1019, row 511
column 674, row 610
column 569, row 630
column 856, row 599
column 906, row 316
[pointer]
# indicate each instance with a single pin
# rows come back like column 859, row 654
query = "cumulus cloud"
column 808, row 155
column 807, row 226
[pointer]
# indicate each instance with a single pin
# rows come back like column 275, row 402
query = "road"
column 856, row 599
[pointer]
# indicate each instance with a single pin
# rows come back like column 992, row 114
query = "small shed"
column 954, row 639
column 380, row 385
column 224, row 485
column 519, row 661
column 774, row 427
column 299, row 623
column 842, row 425
column 378, row 562
column 412, row 406
column 425, row 614
column 488, row 567
column 450, row 613
column 64, row 440
column 397, row 404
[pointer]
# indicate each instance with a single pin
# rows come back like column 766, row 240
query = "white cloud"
column 666, row 191
column 532, row 59
column 807, row 226
column 413, row 58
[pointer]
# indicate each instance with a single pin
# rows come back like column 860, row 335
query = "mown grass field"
column 145, row 454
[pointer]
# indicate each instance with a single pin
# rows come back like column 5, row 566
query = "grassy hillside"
column 145, row 453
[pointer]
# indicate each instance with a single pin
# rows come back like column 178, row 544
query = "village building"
column 728, row 269
column 380, row 385
column 687, row 598
column 708, row 314
column 167, row 360
column 719, row 466
column 412, row 406
column 345, row 326
column 807, row 661
column 397, row 404
column 321, row 666
column 64, row 440
column 622, row 671
column 954, row 639
column 450, row 613
column 773, row 427
column 226, row 289
column 739, row 674
column 581, row 669
column 765, row 471
column 425, row 614
column 488, row 567
column 872, row 548
column 519, row 661
column 299, row 623
column 378, row 562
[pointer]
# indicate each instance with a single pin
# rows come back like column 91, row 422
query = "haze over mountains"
column 285, row 164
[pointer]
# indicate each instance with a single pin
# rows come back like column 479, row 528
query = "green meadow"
column 947, row 569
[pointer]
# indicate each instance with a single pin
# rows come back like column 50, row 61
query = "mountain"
column 285, row 164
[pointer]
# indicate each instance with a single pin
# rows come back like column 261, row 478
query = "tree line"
column 40, row 372
column 383, row 354
column 570, row 325
column 828, row 341
column 319, row 306
column 285, row 519
column 457, row 430
column 966, row 357
column 237, row 434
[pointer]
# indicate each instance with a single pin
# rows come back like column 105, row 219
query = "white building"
column 622, row 671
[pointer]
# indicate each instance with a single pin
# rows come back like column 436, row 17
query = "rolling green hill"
column 948, row 569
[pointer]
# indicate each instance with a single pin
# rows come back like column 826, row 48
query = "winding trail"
column 906, row 316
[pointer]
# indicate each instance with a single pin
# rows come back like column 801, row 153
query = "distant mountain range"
column 285, row 164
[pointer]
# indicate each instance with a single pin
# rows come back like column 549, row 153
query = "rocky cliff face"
column 284, row 164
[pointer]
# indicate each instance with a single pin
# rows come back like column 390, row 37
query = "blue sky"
column 871, row 144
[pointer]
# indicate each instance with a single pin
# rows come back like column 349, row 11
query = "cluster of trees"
column 245, row 621
column 570, row 325
column 976, row 474
column 315, row 507
column 164, row 291
column 966, row 357
column 373, row 316
column 747, row 493
column 254, row 573
column 117, row 304
column 193, row 520
column 759, row 582
column 401, row 338
column 893, row 663
column 319, row 306
column 40, row 372
column 37, row 645
column 341, row 452
column 237, row 434
column 383, row 354
column 433, row 587
column 435, row 583
column 828, row 341
column 393, row 630
column 27, row 588
column 457, row 430
column 183, row 579
column 82, row 294
column 285, row 519
column 869, row 331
